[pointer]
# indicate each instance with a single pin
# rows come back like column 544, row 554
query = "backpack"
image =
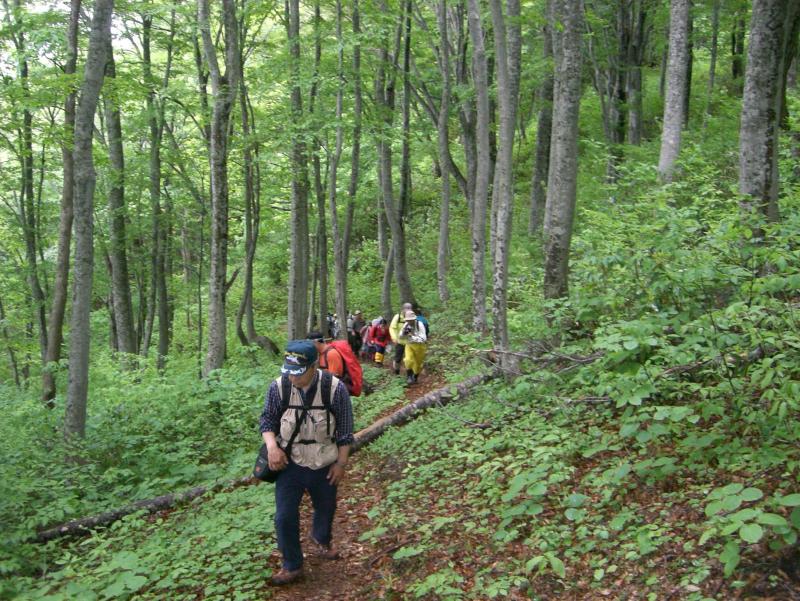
column 325, row 383
column 352, row 377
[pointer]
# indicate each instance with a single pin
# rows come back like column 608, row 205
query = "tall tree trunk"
column 27, row 209
column 355, row 157
column 737, row 53
column 224, row 88
column 761, row 108
column 120, row 286
column 483, row 168
column 687, row 92
column 338, row 243
column 382, row 227
column 562, row 179
column 394, row 215
column 507, row 59
column 544, row 127
column 443, row 252
column 55, row 335
column 94, row 71
column 676, row 88
column 636, row 53
column 712, row 67
column 298, row 263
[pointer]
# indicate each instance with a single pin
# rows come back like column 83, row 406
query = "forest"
column 595, row 203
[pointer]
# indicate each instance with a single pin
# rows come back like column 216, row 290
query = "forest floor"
column 366, row 569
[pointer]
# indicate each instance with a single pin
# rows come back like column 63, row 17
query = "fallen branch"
column 84, row 526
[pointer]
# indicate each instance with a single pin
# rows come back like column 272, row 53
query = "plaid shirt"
column 341, row 408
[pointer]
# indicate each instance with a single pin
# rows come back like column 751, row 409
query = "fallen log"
column 83, row 526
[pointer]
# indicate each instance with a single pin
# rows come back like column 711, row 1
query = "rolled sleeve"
column 342, row 410
column 271, row 415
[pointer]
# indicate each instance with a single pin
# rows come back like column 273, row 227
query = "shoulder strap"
column 325, row 389
column 286, row 393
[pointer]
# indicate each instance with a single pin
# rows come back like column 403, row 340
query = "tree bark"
column 761, row 108
column 562, row 178
column 94, row 71
column 712, row 66
column 443, row 251
column 676, row 88
column 224, row 88
column 298, row 263
column 507, row 40
column 355, row 157
column 544, row 128
column 120, row 285
column 55, row 334
column 483, row 168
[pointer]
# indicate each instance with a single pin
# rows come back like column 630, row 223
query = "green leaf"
column 771, row 519
column 794, row 517
column 792, row 500
column 751, row 533
column 713, row 508
column 557, row 565
column 751, row 494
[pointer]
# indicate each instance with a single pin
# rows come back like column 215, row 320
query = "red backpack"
column 352, row 377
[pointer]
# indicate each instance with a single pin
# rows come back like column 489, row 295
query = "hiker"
column 330, row 359
column 394, row 332
column 413, row 336
column 365, row 354
column 354, row 327
column 378, row 338
column 317, row 465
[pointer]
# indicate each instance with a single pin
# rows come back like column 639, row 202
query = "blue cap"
column 300, row 355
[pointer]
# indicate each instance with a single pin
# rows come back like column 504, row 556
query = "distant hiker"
column 330, row 324
column 354, row 327
column 319, row 407
column 394, row 332
column 365, row 353
column 422, row 319
column 337, row 357
column 413, row 336
column 379, row 338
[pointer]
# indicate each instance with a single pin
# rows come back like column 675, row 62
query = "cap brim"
column 293, row 370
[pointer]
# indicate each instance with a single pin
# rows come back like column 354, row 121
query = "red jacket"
column 379, row 334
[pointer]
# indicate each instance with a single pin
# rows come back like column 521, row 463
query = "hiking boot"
column 416, row 377
column 324, row 551
column 285, row 576
column 410, row 378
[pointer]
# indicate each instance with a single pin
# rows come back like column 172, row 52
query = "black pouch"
column 261, row 469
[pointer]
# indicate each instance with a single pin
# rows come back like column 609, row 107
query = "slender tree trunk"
column 386, row 287
column 676, row 88
column 338, row 242
column 483, row 168
column 544, row 127
column 562, row 179
column 507, row 58
column 737, row 54
column 94, row 71
column 443, row 253
column 712, row 67
column 638, row 44
column 120, row 286
column 61, row 283
column 382, row 227
column 27, row 209
column 224, row 88
column 761, row 108
column 298, row 263
column 12, row 359
column 687, row 92
column 355, row 157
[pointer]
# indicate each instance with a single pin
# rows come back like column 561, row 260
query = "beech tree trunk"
column 507, row 42
column 712, row 66
column 677, row 68
column 118, row 258
column 443, row 252
column 483, row 168
column 298, row 262
column 55, row 335
column 355, row 156
column 563, row 175
column 224, row 88
column 544, row 127
column 94, row 71
column 761, row 107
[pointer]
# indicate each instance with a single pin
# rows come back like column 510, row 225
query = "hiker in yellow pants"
column 415, row 340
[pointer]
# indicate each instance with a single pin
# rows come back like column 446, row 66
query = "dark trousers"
column 289, row 489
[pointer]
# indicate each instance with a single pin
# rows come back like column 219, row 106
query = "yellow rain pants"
column 414, row 356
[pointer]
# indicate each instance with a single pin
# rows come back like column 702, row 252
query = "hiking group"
column 307, row 422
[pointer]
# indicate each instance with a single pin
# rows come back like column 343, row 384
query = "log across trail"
column 84, row 526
